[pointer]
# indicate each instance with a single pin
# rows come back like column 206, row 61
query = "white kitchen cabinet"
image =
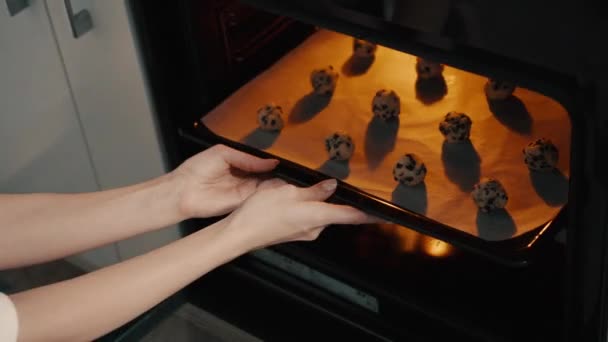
column 42, row 146
column 106, row 76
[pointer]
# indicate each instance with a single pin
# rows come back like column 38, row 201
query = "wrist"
column 168, row 191
column 225, row 235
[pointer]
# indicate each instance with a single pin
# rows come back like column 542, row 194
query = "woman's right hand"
column 279, row 212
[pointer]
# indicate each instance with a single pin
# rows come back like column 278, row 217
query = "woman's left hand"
column 217, row 180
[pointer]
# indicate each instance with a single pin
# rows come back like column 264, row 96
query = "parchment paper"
column 499, row 132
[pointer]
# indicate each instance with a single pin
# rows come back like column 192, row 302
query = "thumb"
column 323, row 214
column 318, row 192
column 247, row 162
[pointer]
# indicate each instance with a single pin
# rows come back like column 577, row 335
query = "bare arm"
column 42, row 227
column 84, row 308
column 89, row 306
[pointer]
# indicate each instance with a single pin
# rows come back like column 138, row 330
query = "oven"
column 292, row 79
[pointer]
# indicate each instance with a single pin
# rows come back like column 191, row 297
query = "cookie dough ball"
column 456, row 127
column 541, row 155
column 363, row 48
column 499, row 90
column 324, row 80
column 409, row 170
column 339, row 146
column 489, row 195
column 386, row 104
column 270, row 117
column 427, row 69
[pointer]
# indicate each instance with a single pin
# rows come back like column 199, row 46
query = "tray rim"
column 514, row 252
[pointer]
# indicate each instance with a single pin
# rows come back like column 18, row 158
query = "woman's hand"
column 217, row 180
column 279, row 212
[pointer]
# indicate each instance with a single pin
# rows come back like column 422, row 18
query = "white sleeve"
column 8, row 320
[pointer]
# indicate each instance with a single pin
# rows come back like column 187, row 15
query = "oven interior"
column 497, row 276
column 269, row 76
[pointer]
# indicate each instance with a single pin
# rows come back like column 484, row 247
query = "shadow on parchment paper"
column 429, row 91
column 461, row 164
column 552, row 187
column 355, row 66
column 260, row 138
column 495, row 226
column 413, row 198
column 380, row 140
column 307, row 107
column 512, row 112
column 335, row 168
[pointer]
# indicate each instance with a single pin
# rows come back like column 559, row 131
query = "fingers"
column 318, row 192
column 271, row 184
column 246, row 162
column 319, row 214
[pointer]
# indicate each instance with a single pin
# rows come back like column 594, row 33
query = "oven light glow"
column 410, row 241
column 437, row 248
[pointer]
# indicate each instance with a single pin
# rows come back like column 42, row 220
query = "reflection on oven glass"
column 387, row 242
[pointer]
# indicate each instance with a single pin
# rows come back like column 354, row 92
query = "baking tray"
column 442, row 206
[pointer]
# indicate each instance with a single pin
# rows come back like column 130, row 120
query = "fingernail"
column 329, row 185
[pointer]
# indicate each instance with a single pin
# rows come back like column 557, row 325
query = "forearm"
column 96, row 303
column 42, row 227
